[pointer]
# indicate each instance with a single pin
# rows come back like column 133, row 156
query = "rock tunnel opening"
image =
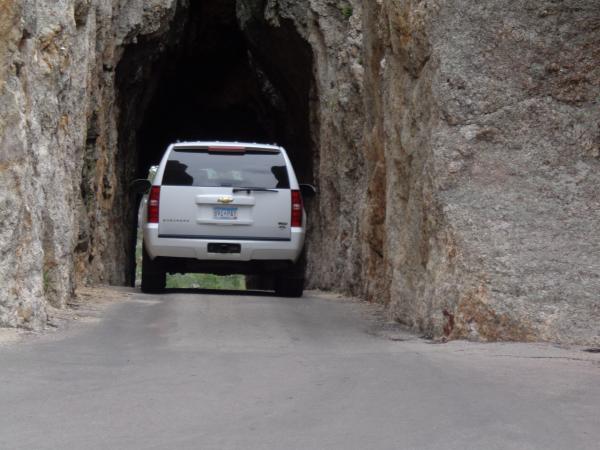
column 206, row 78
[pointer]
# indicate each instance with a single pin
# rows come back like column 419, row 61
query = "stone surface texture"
column 61, row 188
column 456, row 147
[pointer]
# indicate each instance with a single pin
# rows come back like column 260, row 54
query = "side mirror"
column 308, row 190
column 140, row 186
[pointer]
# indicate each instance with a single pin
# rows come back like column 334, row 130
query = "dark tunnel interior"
column 209, row 80
column 216, row 85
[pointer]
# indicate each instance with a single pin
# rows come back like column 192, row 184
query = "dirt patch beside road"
column 87, row 307
column 9, row 336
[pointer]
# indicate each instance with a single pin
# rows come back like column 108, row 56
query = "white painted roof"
column 226, row 144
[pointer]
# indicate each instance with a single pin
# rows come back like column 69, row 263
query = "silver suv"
column 224, row 208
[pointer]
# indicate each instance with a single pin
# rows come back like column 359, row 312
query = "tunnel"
column 207, row 79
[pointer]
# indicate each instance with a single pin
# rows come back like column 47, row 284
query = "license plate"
column 226, row 213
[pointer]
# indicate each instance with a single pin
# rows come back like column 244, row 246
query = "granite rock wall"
column 455, row 144
column 456, row 147
column 61, row 185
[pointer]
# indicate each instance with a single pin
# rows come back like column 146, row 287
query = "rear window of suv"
column 250, row 168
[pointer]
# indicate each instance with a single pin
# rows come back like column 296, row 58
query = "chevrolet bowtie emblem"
column 225, row 199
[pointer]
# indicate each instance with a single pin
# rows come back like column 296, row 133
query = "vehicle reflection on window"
column 176, row 174
column 267, row 171
column 280, row 173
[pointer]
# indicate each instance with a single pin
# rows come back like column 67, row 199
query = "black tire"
column 259, row 282
column 154, row 278
column 289, row 287
column 290, row 283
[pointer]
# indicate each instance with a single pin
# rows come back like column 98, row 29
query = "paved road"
column 205, row 371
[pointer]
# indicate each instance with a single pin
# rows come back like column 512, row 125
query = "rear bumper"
column 197, row 249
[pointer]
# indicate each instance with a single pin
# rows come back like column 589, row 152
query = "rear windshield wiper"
column 249, row 189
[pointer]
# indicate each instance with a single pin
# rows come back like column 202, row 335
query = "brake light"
column 296, row 209
column 153, row 204
column 227, row 149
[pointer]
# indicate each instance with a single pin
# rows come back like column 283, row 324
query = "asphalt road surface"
column 194, row 370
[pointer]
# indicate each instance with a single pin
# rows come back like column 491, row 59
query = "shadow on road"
column 253, row 293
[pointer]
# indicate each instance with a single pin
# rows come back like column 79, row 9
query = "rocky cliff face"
column 62, row 179
column 456, row 146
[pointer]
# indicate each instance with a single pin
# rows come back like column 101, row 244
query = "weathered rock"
column 456, row 146
column 492, row 167
column 59, row 180
column 458, row 161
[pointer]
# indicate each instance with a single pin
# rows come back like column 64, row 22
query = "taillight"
column 153, row 203
column 296, row 209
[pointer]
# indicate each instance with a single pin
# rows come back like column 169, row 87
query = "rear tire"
column 154, row 278
column 289, row 287
column 290, row 283
column 260, row 282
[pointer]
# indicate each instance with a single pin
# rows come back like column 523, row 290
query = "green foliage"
column 46, row 281
column 190, row 280
column 346, row 10
column 138, row 258
column 206, row 281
